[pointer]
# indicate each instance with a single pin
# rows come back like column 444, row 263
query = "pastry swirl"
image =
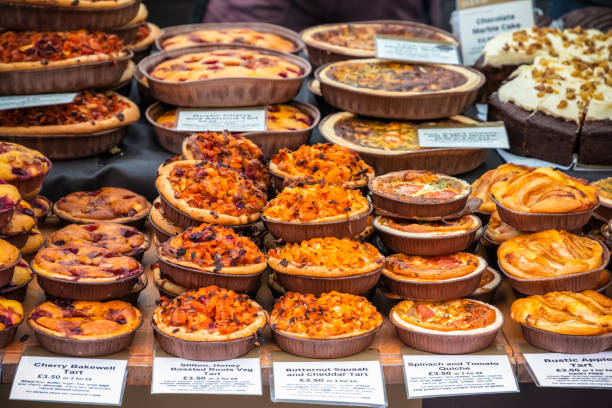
column 481, row 188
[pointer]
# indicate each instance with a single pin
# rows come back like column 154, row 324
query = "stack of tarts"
column 138, row 34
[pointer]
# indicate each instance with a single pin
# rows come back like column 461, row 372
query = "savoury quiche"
column 236, row 35
column 433, row 268
column 420, row 187
column 604, row 189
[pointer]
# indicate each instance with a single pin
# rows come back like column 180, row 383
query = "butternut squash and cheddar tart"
column 210, row 192
column 316, row 203
column 586, row 313
column 481, row 188
column 230, row 149
column 213, row 248
column 11, row 313
column 210, row 314
column 106, row 204
column 414, row 228
column 332, row 315
column 326, row 257
column 322, row 162
column 85, row 320
column 420, row 186
column 548, row 254
column 22, row 167
column 225, row 63
column 432, row 268
column 229, row 36
column 544, row 190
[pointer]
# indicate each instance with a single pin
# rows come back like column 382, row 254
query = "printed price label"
column 329, row 382
column 69, row 380
column 218, row 120
column 416, row 50
column 436, row 375
column 173, row 375
column 27, row 101
column 488, row 135
column 481, row 20
column 571, row 370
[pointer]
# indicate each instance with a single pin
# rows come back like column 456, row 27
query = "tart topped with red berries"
column 11, row 313
column 18, row 164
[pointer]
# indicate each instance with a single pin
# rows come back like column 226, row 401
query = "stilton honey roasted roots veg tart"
column 85, row 328
column 314, row 211
column 399, row 90
column 566, row 322
column 210, row 323
column 36, row 62
column 212, row 255
column 11, row 315
column 448, row 327
column 331, row 325
column 223, row 76
column 193, row 192
column 433, row 278
column 324, row 264
column 24, row 168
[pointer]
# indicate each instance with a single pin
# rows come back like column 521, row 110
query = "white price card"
column 571, row 370
column 69, row 380
column 416, row 50
column 486, row 135
column 218, row 120
column 445, row 375
column 173, row 375
column 329, row 382
column 28, row 101
column 481, row 20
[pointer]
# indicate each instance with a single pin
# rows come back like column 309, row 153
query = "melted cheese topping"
column 20, row 163
column 420, row 186
column 548, row 254
column 106, row 204
column 11, row 313
column 481, row 188
column 432, row 268
column 329, row 316
column 430, row 228
column 498, row 231
column 229, row 63
column 117, row 238
column 229, row 36
column 586, row 313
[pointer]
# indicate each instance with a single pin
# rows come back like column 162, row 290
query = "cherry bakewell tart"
column 195, row 191
column 210, row 323
column 344, row 324
column 17, row 288
column 229, row 36
column 109, row 204
column 85, row 328
column 41, row 206
column 24, row 168
column 9, row 257
column 11, row 315
column 9, row 197
column 34, row 242
column 17, row 230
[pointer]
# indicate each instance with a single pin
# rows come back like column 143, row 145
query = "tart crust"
column 469, row 265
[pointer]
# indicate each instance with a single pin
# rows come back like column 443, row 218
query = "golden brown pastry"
column 481, row 188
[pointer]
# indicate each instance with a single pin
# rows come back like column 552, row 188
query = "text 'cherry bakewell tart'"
column 314, row 211
column 108, row 204
column 93, row 123
column 17, row 288
column 11, row 315
column 331, row 325
column 86, row 273
column 433, row 278
column 322, row 162
column 399, row 90
column 223, row 75
column 566, row 322
column 85, row 328
column 36, row 62
column 193, row 192
column 212, row 255
column 552, row 260
column 449, row 327
column 544, row 198
column 604, row 188
column 210, row 323
column 324, row 264
column 419, row 194
column 24, row 168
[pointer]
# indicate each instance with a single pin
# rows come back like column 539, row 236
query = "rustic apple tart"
column 481, row 188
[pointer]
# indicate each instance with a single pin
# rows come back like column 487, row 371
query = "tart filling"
column 420, row 187
column 332, row 315
column 210, row 192
column 426, row 229
column 548, row 254
column 322, row 162
column 85, row 320
column 481, row 188
column 9, row 254
column 544, row 190
column 118, row 239
column 225, row 63
column 11, row 313
column 23, row 220
column 107, row 204
column 213, row 248
column 433, row 268
column 316, row 203
column 87, row 264
column 210, row 314
column 498, row 231
column 586, row 313
column 451, row 317
column 326, row 257
column 604, row 188
column 20, row 163
column 229, row 36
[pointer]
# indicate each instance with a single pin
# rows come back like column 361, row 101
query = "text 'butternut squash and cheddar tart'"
column 11, row 315
column 24, row 168
column 210, row 323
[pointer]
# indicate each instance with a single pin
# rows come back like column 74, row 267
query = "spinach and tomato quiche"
column 419, row 186
column 433, row 268
column 423, row 229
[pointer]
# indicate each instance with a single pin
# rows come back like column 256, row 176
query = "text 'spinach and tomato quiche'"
column 481, row 188
column 232, row 150
column 229, row 36
column 433, row 269
column 209, row 192
column 24, row 168
column 322, row 162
